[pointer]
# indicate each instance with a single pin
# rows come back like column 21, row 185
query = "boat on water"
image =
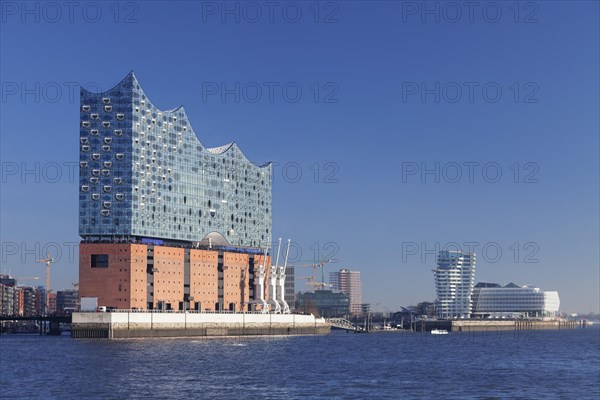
column 439, row 332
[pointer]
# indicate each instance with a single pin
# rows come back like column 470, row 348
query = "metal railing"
column 342, row 323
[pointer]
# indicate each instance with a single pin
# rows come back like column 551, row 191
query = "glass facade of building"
column 324, row 303
column 454, row 282
column 145, row 174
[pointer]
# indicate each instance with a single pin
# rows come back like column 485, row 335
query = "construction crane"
column 311, row 281
column 48, row 260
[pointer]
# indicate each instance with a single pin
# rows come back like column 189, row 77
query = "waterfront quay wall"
column 136, row 324
column 511, row 325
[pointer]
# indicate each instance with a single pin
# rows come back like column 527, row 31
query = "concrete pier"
column 138, row 324
column 511, row 325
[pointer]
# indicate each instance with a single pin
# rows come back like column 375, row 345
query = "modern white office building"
column 493, row 300
column 454, row 282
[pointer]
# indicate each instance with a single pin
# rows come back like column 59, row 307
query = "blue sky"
column 388, row 89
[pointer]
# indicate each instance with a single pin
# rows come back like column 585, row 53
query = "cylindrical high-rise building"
column 454, row 282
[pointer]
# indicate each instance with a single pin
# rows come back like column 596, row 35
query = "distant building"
column 290, row 287
column 423, row 308
column 7, row 295
column 52, row 302
column 67, row 300
column 7, row 300
column 7, row 280
column 493, row 300
column 28, row 306
column 365, row 308
column 454, row 282
column 19, row 301
column 324, row 303
column 40, row 301
column 348, row 282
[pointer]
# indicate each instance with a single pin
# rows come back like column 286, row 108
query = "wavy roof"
column 220, row 149
column 180, row 109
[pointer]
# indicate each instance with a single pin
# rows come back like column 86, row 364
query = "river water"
column 484, row 365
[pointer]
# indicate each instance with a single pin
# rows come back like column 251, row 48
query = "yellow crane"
column 48, row 260
column 311, row 281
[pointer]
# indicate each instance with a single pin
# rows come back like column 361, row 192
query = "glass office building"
column 454, row 282
column 145, row 174
column 324, row 303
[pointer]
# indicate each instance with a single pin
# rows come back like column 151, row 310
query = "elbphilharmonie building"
column 145, row 173
column 148, row 186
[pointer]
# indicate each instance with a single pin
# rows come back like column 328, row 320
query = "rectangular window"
column 99, row 260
